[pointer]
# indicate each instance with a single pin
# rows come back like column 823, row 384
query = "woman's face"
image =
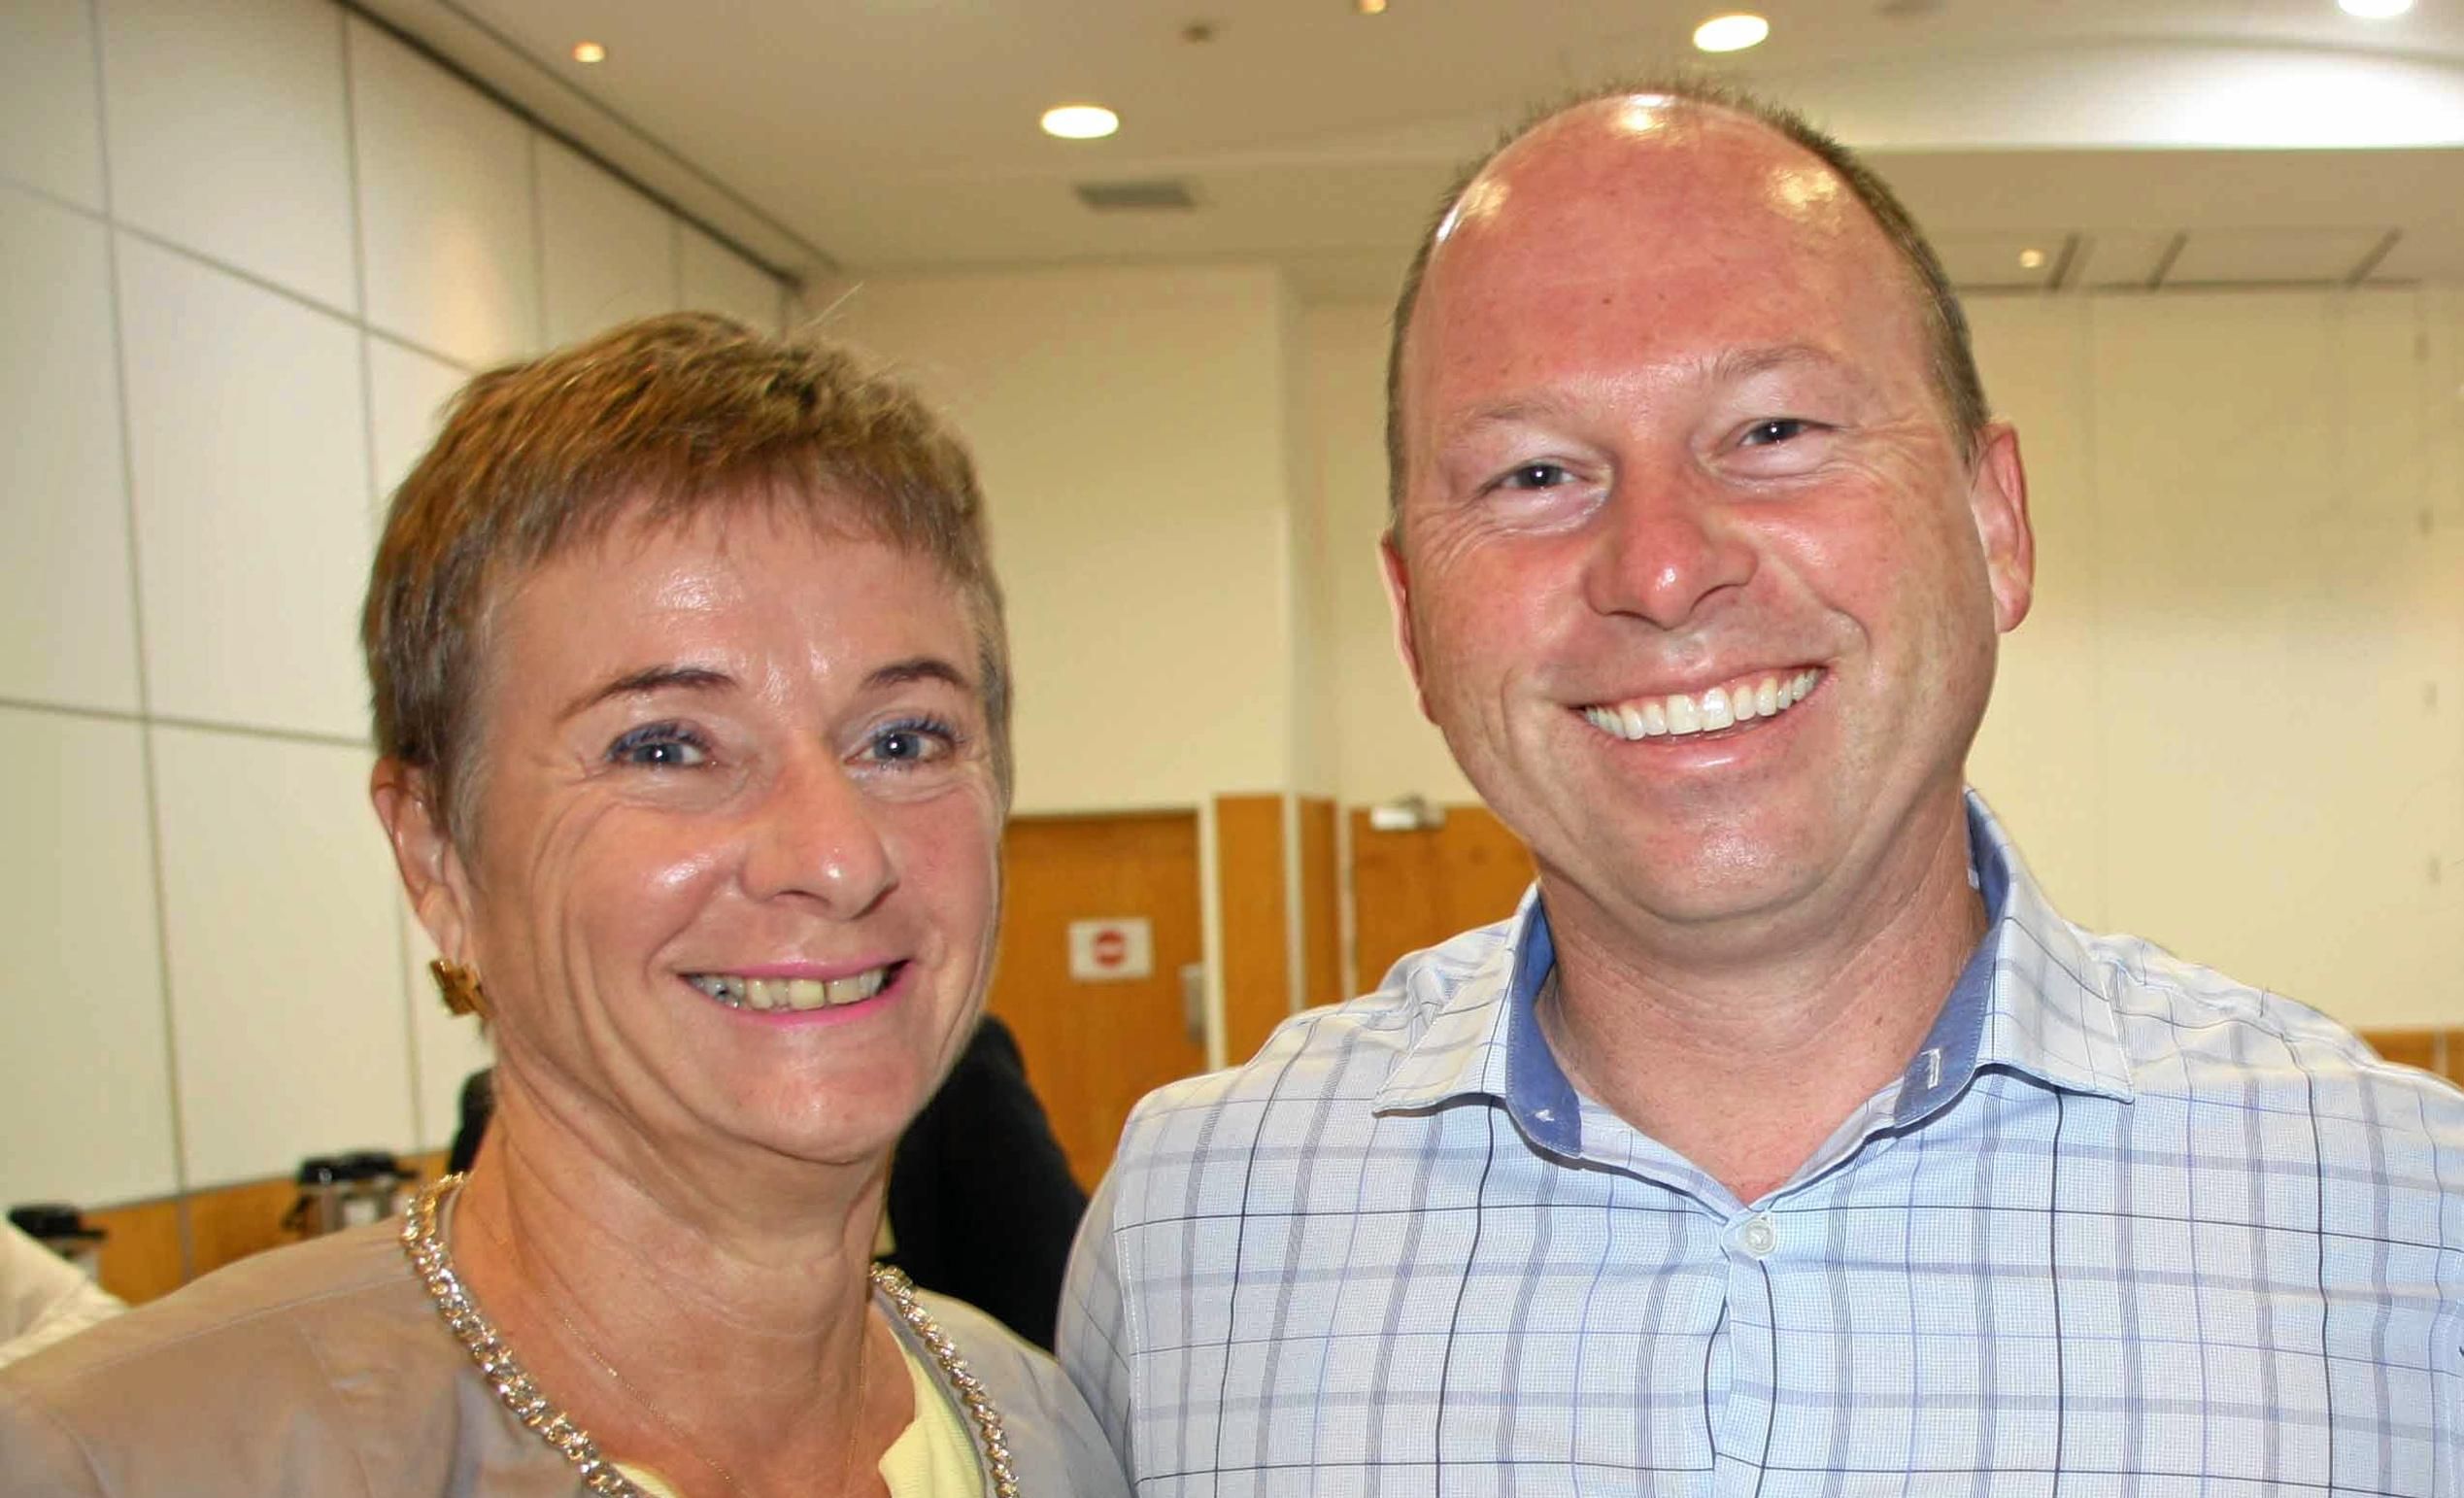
column 732, row 872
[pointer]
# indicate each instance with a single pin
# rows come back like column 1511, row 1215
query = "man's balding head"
column 1953, row 361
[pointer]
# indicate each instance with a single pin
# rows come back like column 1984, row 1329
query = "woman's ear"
column 423, row 853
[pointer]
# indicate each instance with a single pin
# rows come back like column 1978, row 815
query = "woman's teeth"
column 1678, row 714
column 790, row 993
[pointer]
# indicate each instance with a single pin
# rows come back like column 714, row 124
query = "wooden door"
column 1093, row 1048
column 1415, row 889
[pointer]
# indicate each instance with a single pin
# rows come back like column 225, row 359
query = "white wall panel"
column 85, row 1091
column 285, row 955
column 249, row 463
column 229, row 135
column 407, row 395
column 716, row 279
column 610, row 254
column 63, row 494
column 444, row 207
column 50, row 131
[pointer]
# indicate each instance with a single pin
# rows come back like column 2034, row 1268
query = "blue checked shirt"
column 2123, row 1227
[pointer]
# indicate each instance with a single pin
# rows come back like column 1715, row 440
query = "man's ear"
column 1390, row 559
column 1998, row 501
column 431, row 870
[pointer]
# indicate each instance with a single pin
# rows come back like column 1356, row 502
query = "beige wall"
column 1130, row 427
column 1383, row 747
column 2233, row 725
column 2235, row 722
column 245, row 260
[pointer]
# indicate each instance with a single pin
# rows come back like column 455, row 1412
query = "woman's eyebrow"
column 898, row 673
column 650, row 679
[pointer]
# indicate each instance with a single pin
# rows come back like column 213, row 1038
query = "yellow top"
column 933, row 1457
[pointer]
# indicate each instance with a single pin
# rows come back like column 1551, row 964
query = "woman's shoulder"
column 278, row 1364
column 1053, row 1437
column 274, row 1298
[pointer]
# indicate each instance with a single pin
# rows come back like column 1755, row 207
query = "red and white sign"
column 1111, row 949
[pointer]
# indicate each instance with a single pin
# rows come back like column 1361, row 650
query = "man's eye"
column 1779, row 428
column 659, row 746
column 1535, row 475
column 912, row 744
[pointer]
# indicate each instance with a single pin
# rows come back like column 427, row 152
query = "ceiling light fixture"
column 1369, row 7
column 2374, row 10
column 2031, row 259
column 1730, row 33
column 1081, row 121
column 588, row 52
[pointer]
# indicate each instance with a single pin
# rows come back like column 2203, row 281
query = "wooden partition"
column 1414, row 889
column 1249, row 874
column 152, row 1247
column 2438, row 1051
column 1093, row 1048
column 1321, row 907
column 1262, row 909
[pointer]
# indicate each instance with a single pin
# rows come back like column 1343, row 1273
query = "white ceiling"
column 2133, row 141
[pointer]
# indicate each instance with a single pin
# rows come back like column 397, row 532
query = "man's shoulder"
column 2192, row 1030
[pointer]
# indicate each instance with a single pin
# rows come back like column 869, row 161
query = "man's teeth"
column 1679, row 713
column 790, row 993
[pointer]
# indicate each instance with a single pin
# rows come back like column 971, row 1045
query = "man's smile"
column 1678, row 714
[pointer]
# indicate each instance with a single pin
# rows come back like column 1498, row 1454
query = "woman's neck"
column 701, row 1324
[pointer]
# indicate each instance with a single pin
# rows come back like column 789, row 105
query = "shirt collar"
column 2023, row 1002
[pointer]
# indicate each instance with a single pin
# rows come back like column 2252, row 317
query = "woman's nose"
column 1662, row 550
column 817, row 835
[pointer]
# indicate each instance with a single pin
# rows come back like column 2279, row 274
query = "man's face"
column 1672, row 456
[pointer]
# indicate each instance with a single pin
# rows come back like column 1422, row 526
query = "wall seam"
column 145, row 759
column 823, row 259
column 43, row 194
column 2084, row 376
column 413, row 1079
column 240, row 273
column 538, row 244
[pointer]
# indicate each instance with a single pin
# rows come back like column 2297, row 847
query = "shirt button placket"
column 1743, row 1425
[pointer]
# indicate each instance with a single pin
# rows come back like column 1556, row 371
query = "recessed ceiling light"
column 2374, row 10
column 1730, row 33
column 588, row 52
column 1081, row 121
column 1369, row 7
column 2030, row 260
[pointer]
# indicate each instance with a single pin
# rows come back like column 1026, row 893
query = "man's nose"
column 1662, row 549
column 817, row 835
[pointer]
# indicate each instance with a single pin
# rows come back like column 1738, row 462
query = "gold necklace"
column 632, row 1391
column 433, row 1265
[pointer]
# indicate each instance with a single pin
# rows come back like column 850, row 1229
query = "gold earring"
column 458, row 986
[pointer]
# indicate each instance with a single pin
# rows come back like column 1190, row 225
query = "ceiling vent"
column 1152, row 196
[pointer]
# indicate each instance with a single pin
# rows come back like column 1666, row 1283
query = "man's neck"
column 1746, row 1063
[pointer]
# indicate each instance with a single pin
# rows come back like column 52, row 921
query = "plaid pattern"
column 2123, row 1227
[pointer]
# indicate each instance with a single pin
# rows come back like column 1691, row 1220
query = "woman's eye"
column 659, row 746
column 1779, row 428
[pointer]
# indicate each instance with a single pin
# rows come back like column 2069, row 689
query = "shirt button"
column 1758, row 1237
